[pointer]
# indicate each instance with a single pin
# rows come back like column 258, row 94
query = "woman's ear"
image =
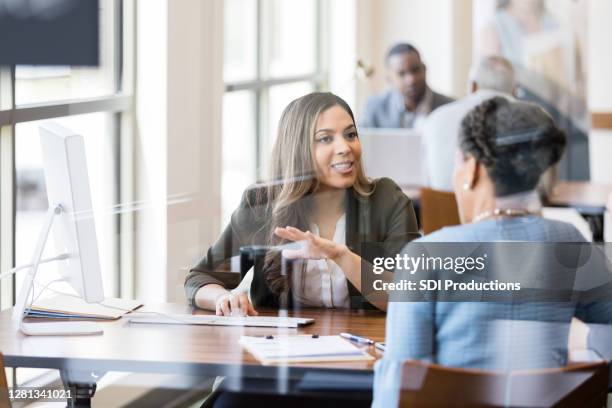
column 472, row 172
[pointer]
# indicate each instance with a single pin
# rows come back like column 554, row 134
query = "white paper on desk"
column 109, row 308
column 302, row 349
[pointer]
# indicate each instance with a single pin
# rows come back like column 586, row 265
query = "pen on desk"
column 357, row 339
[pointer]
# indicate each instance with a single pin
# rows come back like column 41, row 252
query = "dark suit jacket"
column 385, row 110
column 385, row 217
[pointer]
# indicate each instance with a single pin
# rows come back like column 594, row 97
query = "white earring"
column 465, row 186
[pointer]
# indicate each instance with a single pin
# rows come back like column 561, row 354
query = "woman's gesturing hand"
column 310, row 245
column 234, row 304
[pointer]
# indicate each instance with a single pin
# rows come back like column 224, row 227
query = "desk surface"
column 193, row 350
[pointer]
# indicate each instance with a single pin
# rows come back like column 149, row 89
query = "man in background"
column 410, row 100
column 493, row 76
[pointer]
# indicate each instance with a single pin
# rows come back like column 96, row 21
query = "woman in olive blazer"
column 321, row 198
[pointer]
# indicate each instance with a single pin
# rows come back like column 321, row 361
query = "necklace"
column 503, row 212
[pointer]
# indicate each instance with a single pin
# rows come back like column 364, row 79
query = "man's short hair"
column 495, row 73
column 400, row 49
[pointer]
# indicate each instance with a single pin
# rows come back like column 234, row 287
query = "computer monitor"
column 72, row 222
column 393, row 153
column 50, row 32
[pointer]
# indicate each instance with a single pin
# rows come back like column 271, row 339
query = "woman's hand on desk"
column 311, row 246
column 234, row 304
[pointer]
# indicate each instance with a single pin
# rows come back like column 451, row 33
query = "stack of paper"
column 302, row 348
column 73, row 307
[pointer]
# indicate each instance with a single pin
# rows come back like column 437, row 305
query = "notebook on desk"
column 302, row 349
column 73, row 307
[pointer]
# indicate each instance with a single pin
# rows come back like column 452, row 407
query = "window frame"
column 260, row 85
column 119, row 103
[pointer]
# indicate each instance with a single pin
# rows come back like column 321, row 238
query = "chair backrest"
column 438, row 209
column 584, row 385
column 4, row 397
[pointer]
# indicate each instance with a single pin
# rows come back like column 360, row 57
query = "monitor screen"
column 49, row 32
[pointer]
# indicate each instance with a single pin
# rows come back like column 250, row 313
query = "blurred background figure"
column 547, row 52
column 409, row 100
column 493, row 76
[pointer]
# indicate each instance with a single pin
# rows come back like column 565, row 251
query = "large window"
column 272, row 55
column 94, row 102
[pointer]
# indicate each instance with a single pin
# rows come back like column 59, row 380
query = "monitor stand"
column 46, row 328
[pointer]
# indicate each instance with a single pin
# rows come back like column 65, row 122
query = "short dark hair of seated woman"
column 516, row 142
column 317, row 195
column 505, row 146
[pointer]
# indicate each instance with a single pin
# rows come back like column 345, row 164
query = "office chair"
column 428, row 385
column 438, row 210
column 4, row 397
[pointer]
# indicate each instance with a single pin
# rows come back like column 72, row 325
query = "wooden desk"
column 183, row 349
column 587, row 198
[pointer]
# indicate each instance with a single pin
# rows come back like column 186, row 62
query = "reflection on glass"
column 291, row 37
column 239, row 150
column 97, row 130
column 240, row 40
column 545, row 41
column 278, row 99
column 37, row 84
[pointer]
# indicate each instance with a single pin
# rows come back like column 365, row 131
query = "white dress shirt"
column 323, row 284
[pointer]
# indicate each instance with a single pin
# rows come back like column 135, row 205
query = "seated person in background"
column 410, row 100
column 320, row 196
column 493, row 76
column 504, row 148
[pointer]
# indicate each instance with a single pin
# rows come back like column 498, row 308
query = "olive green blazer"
column 385, row 217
